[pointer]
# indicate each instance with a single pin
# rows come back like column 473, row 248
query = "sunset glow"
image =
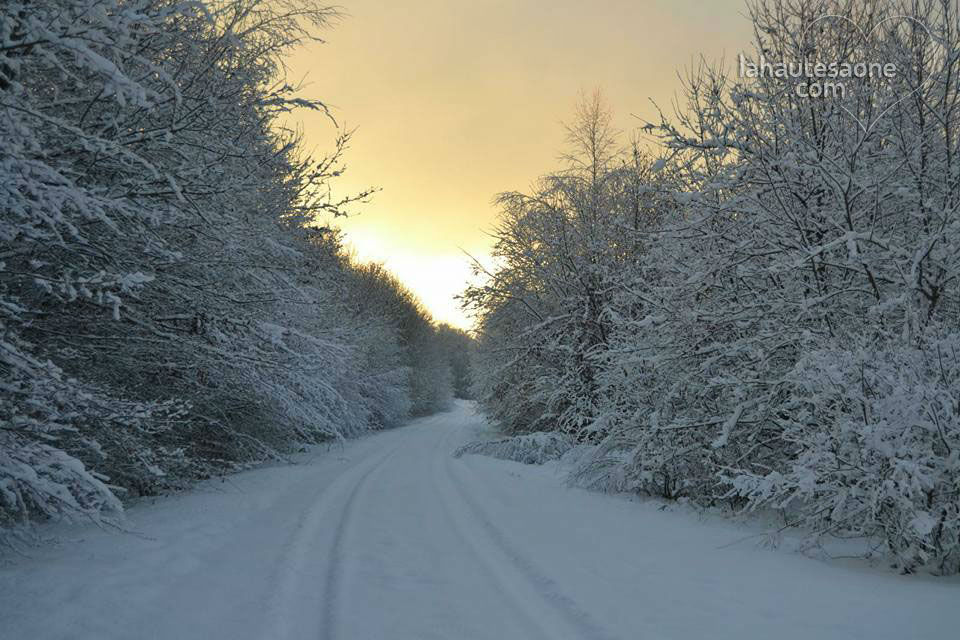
column 455, row 101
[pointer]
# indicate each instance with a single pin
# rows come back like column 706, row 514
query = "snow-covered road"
column 390, row 538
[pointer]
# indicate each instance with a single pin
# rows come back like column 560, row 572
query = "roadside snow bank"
column 532, row 448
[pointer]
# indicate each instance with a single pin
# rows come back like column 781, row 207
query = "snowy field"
column 390, row 537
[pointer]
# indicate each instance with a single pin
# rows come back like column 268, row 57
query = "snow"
column 390, row 536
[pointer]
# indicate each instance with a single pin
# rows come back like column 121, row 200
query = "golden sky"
column 457, row 100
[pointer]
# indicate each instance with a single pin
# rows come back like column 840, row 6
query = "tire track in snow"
column 335, row 569
column 304, row 543
column 561, row 616
column 534, row 626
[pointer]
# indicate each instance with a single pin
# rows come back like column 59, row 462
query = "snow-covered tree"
column 544, row 312
column 173, row 300
column 779, row 329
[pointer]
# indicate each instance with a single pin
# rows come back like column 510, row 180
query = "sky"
column 454, row 101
